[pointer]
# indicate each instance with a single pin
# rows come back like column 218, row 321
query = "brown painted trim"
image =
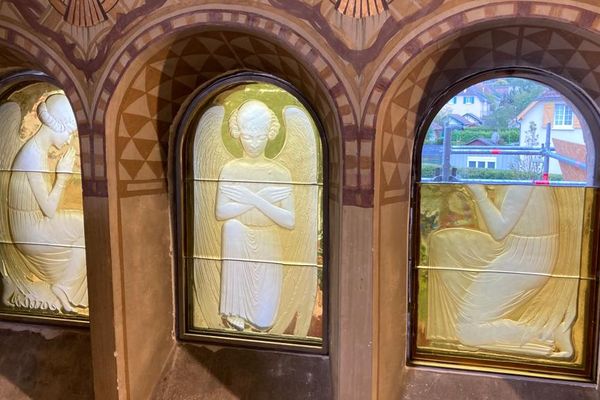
column 32, row 12
column 358, row 58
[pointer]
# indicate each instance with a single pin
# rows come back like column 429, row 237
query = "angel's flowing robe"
column 45, row 241
column 483, row 308
column 252, row 270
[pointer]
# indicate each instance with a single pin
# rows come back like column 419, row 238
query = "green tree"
column 504, row 108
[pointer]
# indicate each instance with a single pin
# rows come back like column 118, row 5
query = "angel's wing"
column 300, row 156
column 10, row 117
column 209, row 157
column 556, row 303
column 20, row 284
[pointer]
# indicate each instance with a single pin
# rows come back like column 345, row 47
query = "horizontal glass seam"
column 68, row 246
column 497, row 271
column 285, row 263
column 254, row 181
column 39, row 171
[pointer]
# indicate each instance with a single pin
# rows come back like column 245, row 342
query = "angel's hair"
column 57, row 114
column 253, row 111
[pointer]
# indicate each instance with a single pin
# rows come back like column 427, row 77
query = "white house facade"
column 566, row 134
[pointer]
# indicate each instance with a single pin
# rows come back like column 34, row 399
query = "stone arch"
column 574, row 57
column 21, row 52
column 320, row 70
column 142, row 105
column 425, row 77
column 402, row 51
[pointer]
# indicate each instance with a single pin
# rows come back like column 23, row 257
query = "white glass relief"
column 255, row 248
column 43, row 245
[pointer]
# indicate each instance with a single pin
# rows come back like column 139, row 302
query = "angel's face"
column 254, row 131
column 254, row 143
column 59, row 139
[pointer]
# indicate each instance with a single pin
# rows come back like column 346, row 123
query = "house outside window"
column 454, row 100
column 501, row 266
column 563, row 116
column 469, row 100
column 481, row 162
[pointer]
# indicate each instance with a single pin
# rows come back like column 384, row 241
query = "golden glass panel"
column 254, row 226
column 42, row 249
column 505, row 278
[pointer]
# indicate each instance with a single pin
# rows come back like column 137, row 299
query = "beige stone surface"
column 199, row 372
column 147, row 291
column 355, row 281
column 100, row 289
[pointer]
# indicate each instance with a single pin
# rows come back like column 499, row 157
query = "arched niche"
column 34, row 324
column 556, row 204
column 44, row 277
column 141, row 119
column 424, row 79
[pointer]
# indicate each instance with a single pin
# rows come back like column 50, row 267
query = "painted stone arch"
column 554, row 49
column 142, row 105
column 415, row 84
column 155, row 91
column 270, row 47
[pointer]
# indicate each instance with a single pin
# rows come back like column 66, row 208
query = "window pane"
column 255, row 236
column 43, row 244
column 509, row 129
column 568, row 116
column 503, row 274
column 491, row 294
column 559, row 114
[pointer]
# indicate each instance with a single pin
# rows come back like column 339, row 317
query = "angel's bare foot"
column 562, row 343
column 62, row 297
column 236, row 322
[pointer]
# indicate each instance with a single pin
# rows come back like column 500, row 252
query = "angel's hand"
column 478, row 191
column 239, row 194
column 65, row 165
column 275, row 194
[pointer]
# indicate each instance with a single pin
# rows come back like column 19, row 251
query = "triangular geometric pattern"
column 172, row 74
column 569, row 55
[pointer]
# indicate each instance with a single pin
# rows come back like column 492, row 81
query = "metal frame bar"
column 546, row 151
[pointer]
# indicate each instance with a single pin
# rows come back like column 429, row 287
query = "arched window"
column 42, row 245
column 251, row 216
column 503, row 271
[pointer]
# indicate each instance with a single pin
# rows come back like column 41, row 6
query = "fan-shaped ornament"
column 361, row 8
column 83, row 12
